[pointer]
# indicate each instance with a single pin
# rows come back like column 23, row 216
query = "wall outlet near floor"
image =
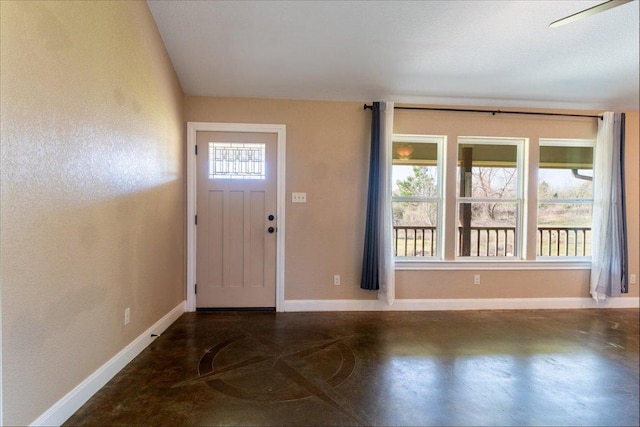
column 632, row 279
column 476, row 279
column 127, row 316
column 336, row 280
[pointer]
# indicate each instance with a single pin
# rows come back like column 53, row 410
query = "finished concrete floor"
column 527, row 367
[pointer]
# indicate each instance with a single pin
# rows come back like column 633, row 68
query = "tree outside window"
column 416, row 198
column 565, row 198
column 489, row 197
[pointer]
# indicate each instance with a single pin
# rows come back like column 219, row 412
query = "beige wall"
column 92, row 192
column 327, row 149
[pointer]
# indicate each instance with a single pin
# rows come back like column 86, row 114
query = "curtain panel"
column 378, row 262
column 609, row 263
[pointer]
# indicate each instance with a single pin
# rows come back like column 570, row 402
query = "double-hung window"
column 417, row 195
column 565, row 198
column 489, row 197
column 486, row 209
column 508, row 193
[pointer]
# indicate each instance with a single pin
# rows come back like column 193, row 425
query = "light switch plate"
column 298, row 197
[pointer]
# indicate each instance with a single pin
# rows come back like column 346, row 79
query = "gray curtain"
column 619, row 135
column 609, row 263
column 370, row 279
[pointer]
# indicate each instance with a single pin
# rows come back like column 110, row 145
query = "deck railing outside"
column 414, row 241
column 420, row 241
column 564, row 241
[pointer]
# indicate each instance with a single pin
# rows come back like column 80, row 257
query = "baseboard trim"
column 72, row 401
column 459, row 304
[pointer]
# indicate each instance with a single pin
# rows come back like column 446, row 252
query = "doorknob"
column 271, row 229
column 271, row 217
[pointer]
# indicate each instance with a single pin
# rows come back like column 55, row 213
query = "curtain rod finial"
column 367, row 107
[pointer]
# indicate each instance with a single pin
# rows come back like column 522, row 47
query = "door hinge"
column 196, row 289
column 196, row 219
column 196, row 150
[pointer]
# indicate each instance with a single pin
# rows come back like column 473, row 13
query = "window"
column 489, row 201
column 232, row 160
column 479, row 212
column 417, row 195
column 565, row 198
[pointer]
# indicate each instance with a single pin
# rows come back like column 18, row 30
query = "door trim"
column 192, row 129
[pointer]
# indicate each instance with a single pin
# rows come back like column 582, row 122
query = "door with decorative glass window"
column 236, row 219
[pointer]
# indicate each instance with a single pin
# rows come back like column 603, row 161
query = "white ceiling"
column 490, row 53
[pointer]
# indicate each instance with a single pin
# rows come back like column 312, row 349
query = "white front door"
column 236, row 219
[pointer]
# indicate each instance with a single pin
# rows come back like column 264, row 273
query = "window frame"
column 527, row 217
column 441, row 142
column 563, row 142
column 520, row 233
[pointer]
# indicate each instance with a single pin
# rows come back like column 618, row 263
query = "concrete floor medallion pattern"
column 509, row 368
column 288, row 367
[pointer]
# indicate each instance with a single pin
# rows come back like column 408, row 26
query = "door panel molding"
column 192, row 129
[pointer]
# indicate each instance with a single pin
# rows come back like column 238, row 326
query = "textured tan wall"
column 92, row 191
column 327, row 149
column 327, row 146
column 495, row 284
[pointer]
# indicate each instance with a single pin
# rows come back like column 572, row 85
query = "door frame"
column 192, row 129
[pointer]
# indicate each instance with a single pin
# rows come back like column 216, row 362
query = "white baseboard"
column 458, row 304
column 72, row 401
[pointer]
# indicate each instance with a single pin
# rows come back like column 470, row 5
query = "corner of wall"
column 72, row 401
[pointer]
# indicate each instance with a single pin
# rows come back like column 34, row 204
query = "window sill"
column 486, row 264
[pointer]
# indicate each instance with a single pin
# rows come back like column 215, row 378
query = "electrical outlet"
column 476, row 279
column 632, row 279
column 336, row 280
column 127, row 316
column 298, row 197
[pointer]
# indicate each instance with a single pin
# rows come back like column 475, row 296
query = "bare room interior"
column 319, row 213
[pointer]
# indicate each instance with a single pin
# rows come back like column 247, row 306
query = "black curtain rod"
column 493, row 112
